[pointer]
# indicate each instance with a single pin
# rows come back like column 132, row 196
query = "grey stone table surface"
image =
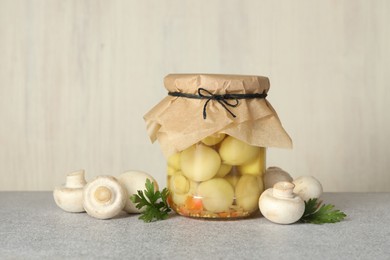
column 32, row 227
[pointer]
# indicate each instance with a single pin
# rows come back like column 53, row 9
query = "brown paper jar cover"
column 177, row 122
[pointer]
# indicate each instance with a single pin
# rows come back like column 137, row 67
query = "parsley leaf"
column 316, row 213
column 155, row 203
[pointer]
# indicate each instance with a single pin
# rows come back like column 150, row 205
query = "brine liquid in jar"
column 218, row 177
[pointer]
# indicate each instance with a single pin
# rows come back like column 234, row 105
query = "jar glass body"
column 218, row 177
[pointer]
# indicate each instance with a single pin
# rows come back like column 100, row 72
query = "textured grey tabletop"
column 31, row 226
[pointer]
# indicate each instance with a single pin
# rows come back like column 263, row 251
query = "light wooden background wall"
column 77, row 76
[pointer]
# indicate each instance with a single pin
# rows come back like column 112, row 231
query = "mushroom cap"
column 274, row 175
column 281, row 210
column 104, row 197
column 69, row 199
column 132, row 181
column 307, row 187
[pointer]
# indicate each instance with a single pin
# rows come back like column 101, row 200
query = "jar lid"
column 216, row 83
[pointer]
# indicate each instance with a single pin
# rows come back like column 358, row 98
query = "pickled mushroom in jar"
column 223, row 170
column 179, row 184
column 236, row 152
column 199, row 162
column 232, row 179
column 213, row 139
column 217, row 194
column 174, row 161
column 248, row 190
column 171, row 171
column 180, row 199
column 256, row 166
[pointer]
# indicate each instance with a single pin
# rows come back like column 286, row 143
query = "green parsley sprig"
column 155, row 203
column 316, row 213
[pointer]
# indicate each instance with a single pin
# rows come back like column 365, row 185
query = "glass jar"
column 218, row 177
column 214, row 130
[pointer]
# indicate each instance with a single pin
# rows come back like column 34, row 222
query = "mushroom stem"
column 103, row 194
column 75, row 180
column 283, row 189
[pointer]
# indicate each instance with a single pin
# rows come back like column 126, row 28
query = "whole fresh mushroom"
column 280, row 205
column 274, row 175
column 70, row 196
column 307, row 187
column 132, row 181
column 104, row 197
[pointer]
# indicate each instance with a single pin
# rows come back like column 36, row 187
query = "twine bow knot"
column 223, row 99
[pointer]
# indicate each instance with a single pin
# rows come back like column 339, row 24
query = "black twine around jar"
column 221, row 99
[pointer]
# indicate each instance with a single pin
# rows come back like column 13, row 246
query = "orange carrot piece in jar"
column 192, row 203
column 170, row 201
